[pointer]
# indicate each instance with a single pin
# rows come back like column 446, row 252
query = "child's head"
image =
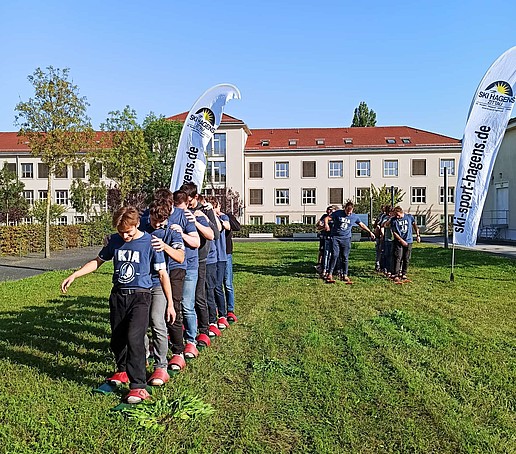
column 398, row 212
column 126, row 221
column 181, row 200
column 158, row 214
column 348, row 208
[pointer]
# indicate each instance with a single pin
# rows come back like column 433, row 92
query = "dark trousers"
column 211, row 282
column 175, row 330
column 129, row 317
column 401, row 255
column 201, row 305
column 220, row 297
column 341, row 248
column 327, row 253
column 387, row 261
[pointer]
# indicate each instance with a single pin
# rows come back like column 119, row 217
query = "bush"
column 278, row 230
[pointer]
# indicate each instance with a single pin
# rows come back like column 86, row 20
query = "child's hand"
column 171, row 314
column 157, row 243
column 66, row 283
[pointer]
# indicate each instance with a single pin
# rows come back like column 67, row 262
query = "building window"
column 309, row 219
column 282, row 170
column 390, row 168
column 361, row 194
column 42, row 194
column 419, row 167
column 405, row 139
column 336, row 196
column 292, row 142
column 449, row 164
column 255, row 196
column 363, row 168
column 420, row 220
column 255, row 170
column 62, row 173
column 451, row 194
column 265, row 143
column 216, row 171
column 79, row 171
column 348, row 141
column 282, row 197
column 256, row 220
column 62, row 197
column 336, row 169
column 27, row 170
column 78, row 219
column 29, row 196
column 308, row 197
column 319, row 141
column 217, row 146
column 418, row 195
column 282, row 220
column 42, row 170
column 390, row 140
column 308, row 169
column 11, row 167
column 62, row 220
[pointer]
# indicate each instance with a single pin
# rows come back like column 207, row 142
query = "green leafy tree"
column 13, row 206
column 55, row 125
column 363, row 116
column 126, row 158
column 381, row 196
column 39, row 211
column 85, row 194
column 162, row 138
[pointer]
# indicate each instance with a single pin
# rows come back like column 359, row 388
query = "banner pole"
column 452, row 277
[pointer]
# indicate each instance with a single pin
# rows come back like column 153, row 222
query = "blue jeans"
column 220, row 298
column 228, row 284
column 188, row 305
column 341, row 248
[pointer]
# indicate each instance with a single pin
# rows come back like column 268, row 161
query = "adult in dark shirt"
column 343, row 221
column 228, row 277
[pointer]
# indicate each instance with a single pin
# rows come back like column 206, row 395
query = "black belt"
column 131, row 291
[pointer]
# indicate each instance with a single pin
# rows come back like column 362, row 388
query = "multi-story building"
column 292, row 175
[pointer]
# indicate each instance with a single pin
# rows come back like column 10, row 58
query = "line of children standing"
column 158, row 261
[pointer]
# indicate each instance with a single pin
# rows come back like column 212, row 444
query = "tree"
column 126, row 160
column 84, row 194
column 13, row 206
column 230, row 201
column 39, row 211
column 363, row 116
column 55, row 125
column 162, row 138
column 381, row 196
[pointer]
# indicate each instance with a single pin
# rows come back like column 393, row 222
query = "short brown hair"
column 126, row 217
column 163, row 196
column 213, row 200
column 158, row 211
column 398, row 209
column 180, row 197
column 190, row 189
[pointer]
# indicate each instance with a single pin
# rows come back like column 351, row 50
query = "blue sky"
column 297, row 64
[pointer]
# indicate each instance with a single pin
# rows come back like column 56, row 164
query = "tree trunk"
column 47, row 219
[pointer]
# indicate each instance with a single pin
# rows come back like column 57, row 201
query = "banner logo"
column 497, row 96
column 209, row 116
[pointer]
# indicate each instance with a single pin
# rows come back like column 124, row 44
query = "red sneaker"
column 214, row 331
column 232, row 318
column 203, row 340
column 177, row 363
column 118, row 378
column 191, row 351
column 222, row 323
column 159, row 377
column 135, row 396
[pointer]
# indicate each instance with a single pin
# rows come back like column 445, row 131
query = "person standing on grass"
column 378, row 234
column 387, row 238
column 134, row 258
column 228, row 277
column 343, row 221
column 402, row 224
column 325, row 245
column 171, row 244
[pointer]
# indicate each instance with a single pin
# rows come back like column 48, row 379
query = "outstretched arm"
column 366, row 229
column 88, row 268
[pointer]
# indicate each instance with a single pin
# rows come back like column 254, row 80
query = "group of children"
column 392, row 232
column 173, row 270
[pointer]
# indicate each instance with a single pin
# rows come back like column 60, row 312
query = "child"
column 133, row 258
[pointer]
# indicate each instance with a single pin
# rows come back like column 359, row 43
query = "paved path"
column 14, row 268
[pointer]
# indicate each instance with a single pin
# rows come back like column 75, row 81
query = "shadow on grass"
column 57, row 339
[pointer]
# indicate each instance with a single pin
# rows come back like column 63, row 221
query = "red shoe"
column 191, row 351
column 232, row 318
column 203, row 340
column 159, row 377
column 214, row 331
column 177, row 363
column 135, row 396
column 118, row 378
column 222, row 323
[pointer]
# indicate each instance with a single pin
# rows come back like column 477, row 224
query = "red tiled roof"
column 10, row 141
column 225, row 118
column 323, row 138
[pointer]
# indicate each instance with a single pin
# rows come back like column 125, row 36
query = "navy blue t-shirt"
column 403, row 227
column 342, row 223
column 168, row 236
column 132, row 261
column 221, row 242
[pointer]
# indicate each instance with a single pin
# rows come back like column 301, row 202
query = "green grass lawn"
column 426, row 367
